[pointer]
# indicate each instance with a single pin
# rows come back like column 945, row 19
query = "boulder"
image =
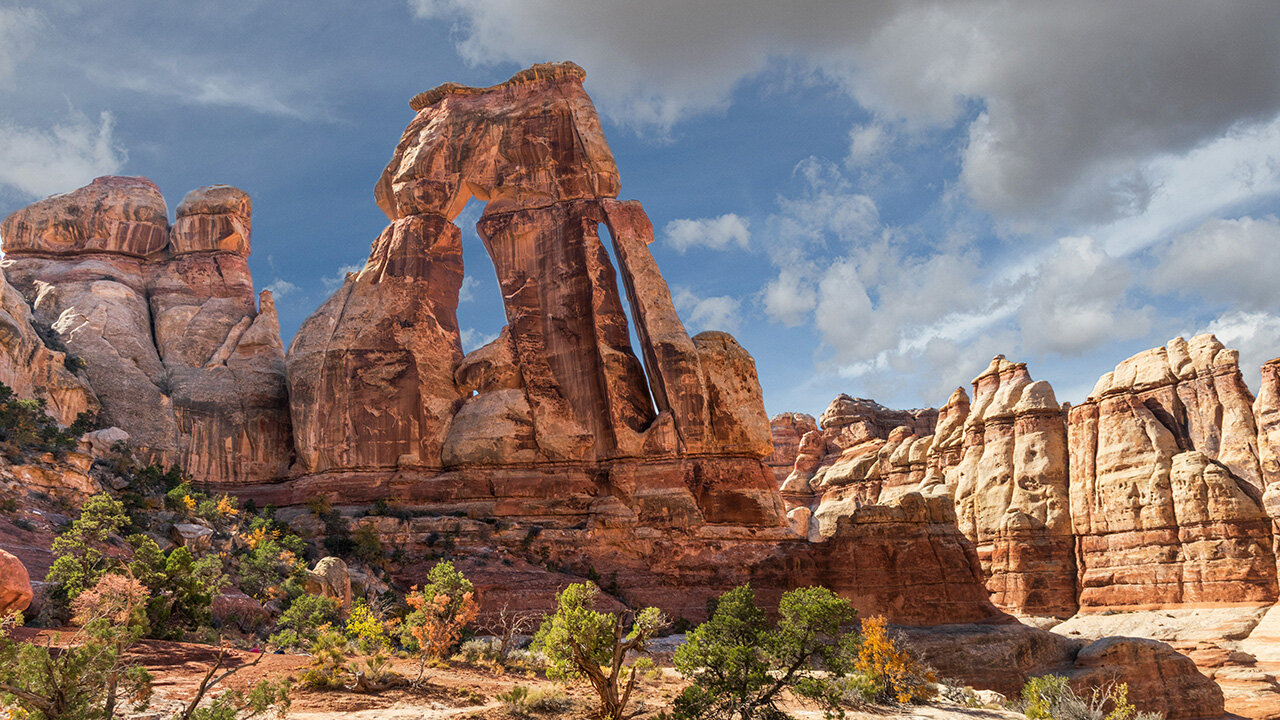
column 195, row 537
column 329, row 578
column 235, row 608
column 15, row 585
column 1159, row 678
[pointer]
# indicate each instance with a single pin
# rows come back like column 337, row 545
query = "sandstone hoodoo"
column 1149, row 493
column 175, row 345
column 1166, row 485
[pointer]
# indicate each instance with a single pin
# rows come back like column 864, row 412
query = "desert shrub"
column 581, row 642
column 373, row 673
column 367, row 547
column 79, row 559
column 1050, row 697
column 522, row 701
column 87, row 678
column 887, row 672
column 153, row 479
column 480, row 650
column 365, row 629
column 26, row 428
column 309, row 616
column 328, row 658
column 271, row 566
column 740, row 663
column 442, row 609
column 286, row 640
column 182, row 587
column 184, row 499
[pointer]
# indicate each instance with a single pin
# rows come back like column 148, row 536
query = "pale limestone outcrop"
column 32, row 369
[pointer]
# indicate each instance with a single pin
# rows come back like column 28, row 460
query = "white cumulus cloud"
column 720, row 312
column 716, row 233
column 1229, row 261
column 281, row 287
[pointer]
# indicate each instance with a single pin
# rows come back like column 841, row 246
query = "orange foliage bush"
column 890, row 672
column 442, row 620
column 117, row 598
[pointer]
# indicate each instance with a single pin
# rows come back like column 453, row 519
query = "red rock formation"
column 786, row 430
column 1164, row 483
column 849, row 421
column 377, row 378
column 1004, row 657
column 1160, row 679
column 165, row 320
column 907, row 559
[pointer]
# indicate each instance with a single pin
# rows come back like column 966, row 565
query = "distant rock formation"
column 1010, row 489
column 1149, row 493
column 176, row 347
column 1166, row 486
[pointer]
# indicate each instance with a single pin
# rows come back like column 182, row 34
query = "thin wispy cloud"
column 74, row 150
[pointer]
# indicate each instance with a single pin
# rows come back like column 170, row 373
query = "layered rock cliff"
column 1150, row 493
column 1165, row 482
column 175, row 345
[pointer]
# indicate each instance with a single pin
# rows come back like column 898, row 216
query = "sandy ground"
column 457, row 691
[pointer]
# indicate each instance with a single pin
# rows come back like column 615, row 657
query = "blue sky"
column 875, row 198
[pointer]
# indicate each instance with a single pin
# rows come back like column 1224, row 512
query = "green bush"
column 182, row 587
column 328, row 656
column 79, row 560
column 581, row 642
column 26, row 428
column 310, row 615
column 740, row 664
column 271, row 566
